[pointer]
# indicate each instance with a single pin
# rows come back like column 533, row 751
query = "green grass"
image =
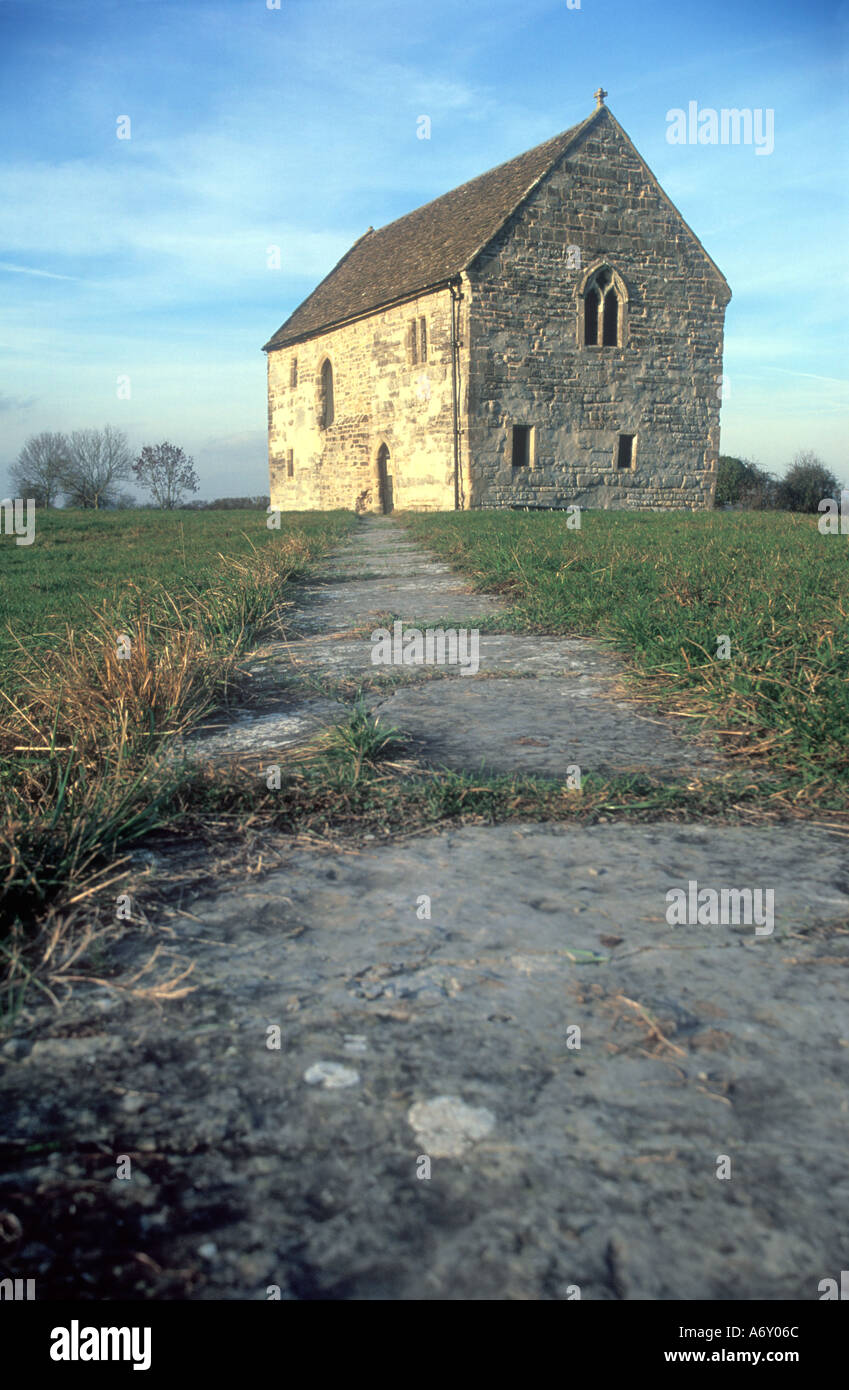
column 81, row 560
column 81, row 779
column 659, row 588
column 359, row 779
column 662, row 588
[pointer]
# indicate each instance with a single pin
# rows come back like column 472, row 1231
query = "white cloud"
column 30, row 270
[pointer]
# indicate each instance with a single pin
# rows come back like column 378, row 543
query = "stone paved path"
column 572, row 712
column 447, row 1041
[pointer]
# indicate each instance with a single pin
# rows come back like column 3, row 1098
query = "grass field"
column 81, row 783
column 81, row 560
column 80, row 724
column 663, row 588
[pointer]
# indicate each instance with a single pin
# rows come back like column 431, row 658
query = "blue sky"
column 296, row 127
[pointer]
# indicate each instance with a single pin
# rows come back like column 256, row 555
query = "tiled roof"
column 426, row 247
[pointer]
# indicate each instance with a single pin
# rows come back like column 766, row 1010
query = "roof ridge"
column 573, row 132
column 432, row 245
column 425, row 247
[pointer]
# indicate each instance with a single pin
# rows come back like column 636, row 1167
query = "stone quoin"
column 548, row 334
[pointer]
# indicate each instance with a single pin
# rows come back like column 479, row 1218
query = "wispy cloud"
column 30, row 270
column 811, row 376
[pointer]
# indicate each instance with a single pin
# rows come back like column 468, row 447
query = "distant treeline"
column 228, row 504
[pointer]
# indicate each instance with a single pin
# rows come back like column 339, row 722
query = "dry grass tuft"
column 86, row 739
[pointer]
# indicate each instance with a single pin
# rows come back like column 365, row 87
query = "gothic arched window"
column 604, row 303
column 326, row 406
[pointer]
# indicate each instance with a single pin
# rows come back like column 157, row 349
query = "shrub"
column 806, row 483
column 743, row 483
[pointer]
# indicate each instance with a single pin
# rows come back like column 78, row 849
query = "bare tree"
column 40, row 467
column 97, row 461
column 167, row 472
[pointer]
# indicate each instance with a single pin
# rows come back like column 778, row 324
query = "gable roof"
column 429, row 247
column 425, row 248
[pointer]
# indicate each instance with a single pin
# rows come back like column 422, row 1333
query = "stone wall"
column 380, row 397
column 529, row 366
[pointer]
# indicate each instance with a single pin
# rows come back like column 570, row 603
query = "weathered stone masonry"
column 380, row 398
column 528, row 364
column 522, row 246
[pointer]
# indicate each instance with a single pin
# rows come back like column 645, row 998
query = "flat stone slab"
column 260, row 732
column 380, row 571
column 377, row 1092
column 541, row 727
column 424, row 598
column 505, row 653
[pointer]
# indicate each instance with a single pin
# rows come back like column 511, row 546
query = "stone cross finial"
column 599, row 97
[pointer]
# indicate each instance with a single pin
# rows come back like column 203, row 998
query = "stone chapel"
column 549, row 333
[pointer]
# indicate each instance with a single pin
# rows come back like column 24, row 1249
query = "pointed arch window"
column 326, row 403
column 603, row 316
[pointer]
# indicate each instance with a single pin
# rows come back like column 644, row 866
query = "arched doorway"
column 384, row 478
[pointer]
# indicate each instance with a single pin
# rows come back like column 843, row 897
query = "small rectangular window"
column 293, row 374
column 411, row 343
column 290, row 463
column 625, row 451
column 522, row 447
column 422, row 340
